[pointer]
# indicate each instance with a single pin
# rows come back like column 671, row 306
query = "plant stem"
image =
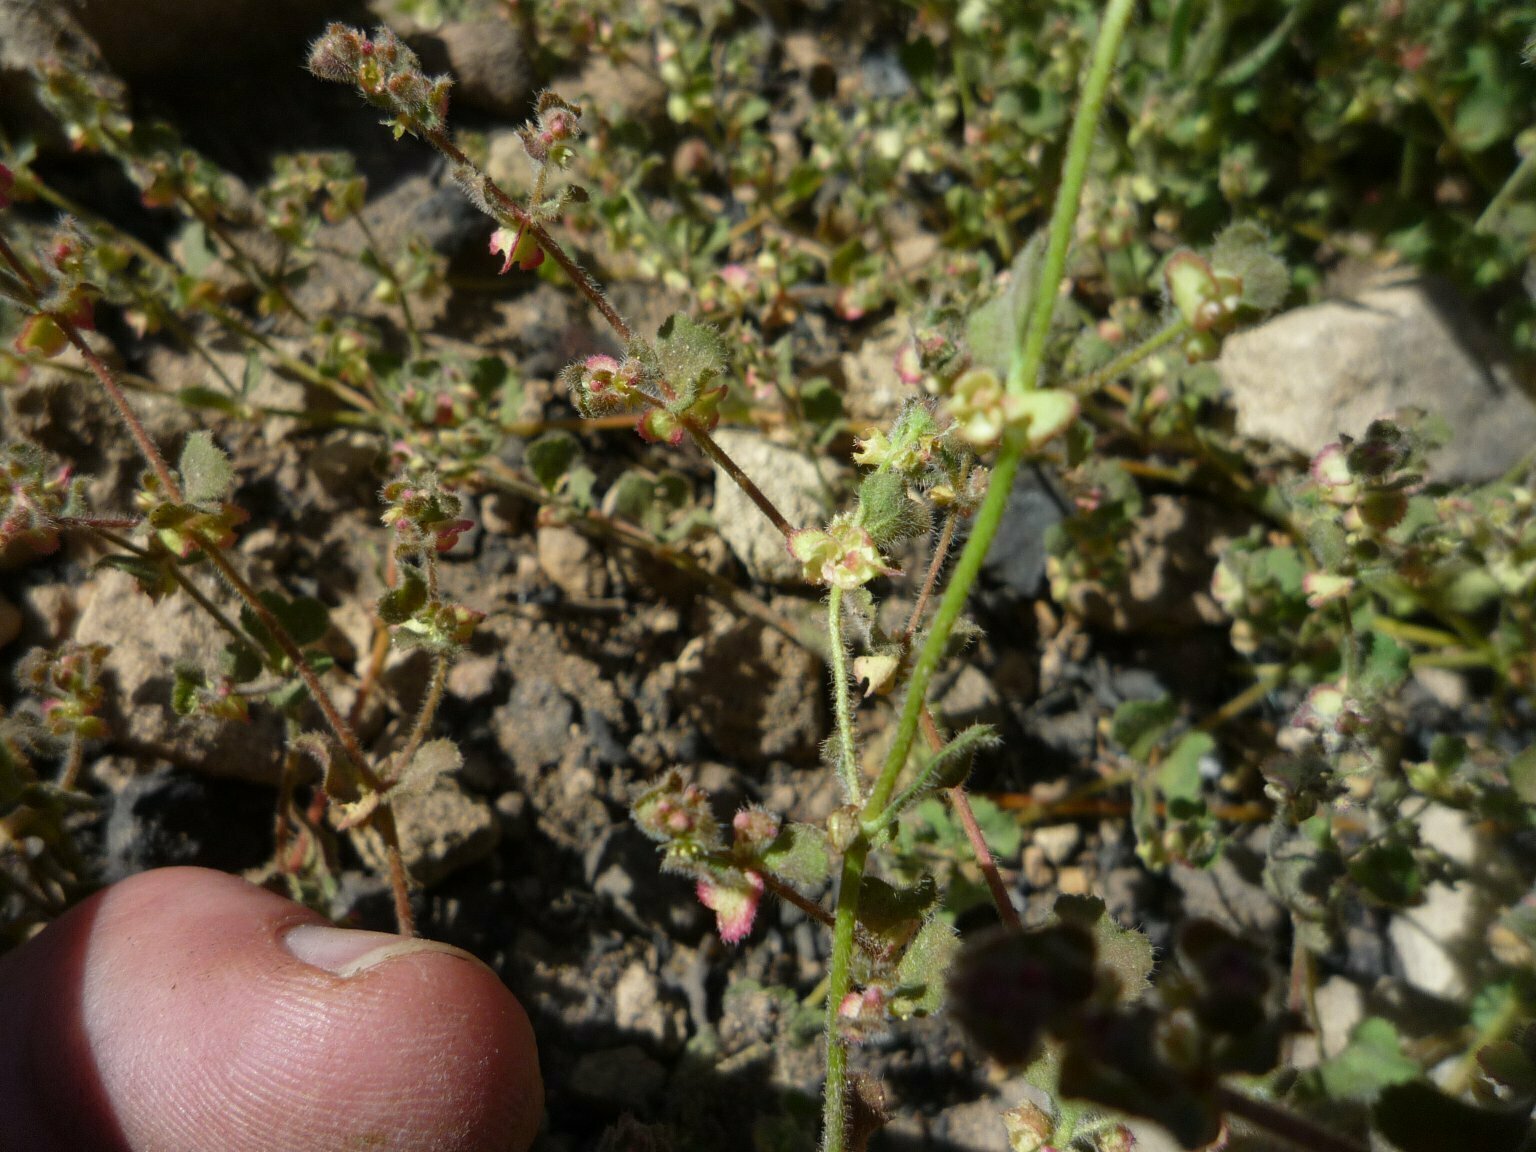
column 103, row 374
column 930, row 581
column 1022, row 376
column 425, row 716
column 960, row 801
column 718, row 454
column 834, row 1112
column 847, row 748
column 1029, row 357
column 1289, row 1126
column 601, row 527
column 588, row 287
column 990, row 515
column 595, row 295
column 1087, row 385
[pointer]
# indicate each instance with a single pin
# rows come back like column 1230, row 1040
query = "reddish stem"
column 718, row 454
column 961, row 803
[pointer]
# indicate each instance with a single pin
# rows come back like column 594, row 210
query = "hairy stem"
column 1091, row 383
column 931, row 580
column 755, row 494
column 847, row 748
column 960, row 801
column 426, row 715
column 1026, row 369
column 1031, row 354
column 834, row 1111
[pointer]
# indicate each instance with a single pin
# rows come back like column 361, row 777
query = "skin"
column 179, row 1010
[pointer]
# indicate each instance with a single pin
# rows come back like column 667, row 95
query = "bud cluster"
column 386, row 73
column 423, row 514
column 34, row 491
column 984, row 410
column 547, row 138
column 68, row 679
column 67, row 300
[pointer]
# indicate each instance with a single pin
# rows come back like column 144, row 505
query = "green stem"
column 1026, row 368
column 1091, row 383
column 834, row 1112
column 847, row 754
column 1026, row 364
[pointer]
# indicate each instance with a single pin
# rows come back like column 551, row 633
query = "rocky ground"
column 597, row 668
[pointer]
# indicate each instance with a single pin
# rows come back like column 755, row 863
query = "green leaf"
column 689, row 355
column 240, row 662
column 883, row 907
column 1386, row 663
column 200, row 397
column 999, row 829
column 887, row 514
column 1522, row 775
column 188, row 679
column 1139, row 726
column 798, row 855
column 205, row 470
column 399, row 604
column 992, row 330
column 925, row 964
column 305, row 619
column 551, row 456
column 1179, row 774
column 1389, row 871
column 1124, row 952
column 1370, row 1062
column 1242, row 250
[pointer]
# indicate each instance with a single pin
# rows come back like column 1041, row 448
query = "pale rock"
column 442, row 830
column 1426, row 939
column 144, row 642
column 790, row 481
column 1059, row 842
column 1074, row 882
column 473, row 677
column 571, row 563
column 638, row 1008
column 1313, row 373
column 1038, row 873
column 969, row 698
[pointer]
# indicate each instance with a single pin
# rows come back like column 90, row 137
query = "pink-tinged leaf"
column 734, row 903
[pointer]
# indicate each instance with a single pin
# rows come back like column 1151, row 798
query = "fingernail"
column 346, row 952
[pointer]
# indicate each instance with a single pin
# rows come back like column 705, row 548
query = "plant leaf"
column 206, row 473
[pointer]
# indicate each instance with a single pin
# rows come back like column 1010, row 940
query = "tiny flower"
column 872, row 450
column 598, row 373
column 42, row 336
column 909, row 365
column 658, row 426
column 734, row 902
column 980, row 407
column 755, row 826
column 1325, row 587
column 842, row 555
column 517, row 247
